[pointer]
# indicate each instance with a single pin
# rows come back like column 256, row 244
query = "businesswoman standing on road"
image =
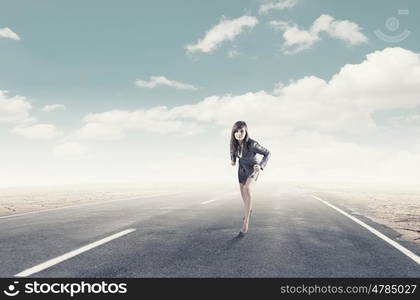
column 245, row 148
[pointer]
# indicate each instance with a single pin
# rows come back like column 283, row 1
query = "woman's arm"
column 263, row 151
column 233, row 158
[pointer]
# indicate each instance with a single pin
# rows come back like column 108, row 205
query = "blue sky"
column 88, row 55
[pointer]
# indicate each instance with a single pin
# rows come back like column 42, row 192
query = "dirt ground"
column 396, row 206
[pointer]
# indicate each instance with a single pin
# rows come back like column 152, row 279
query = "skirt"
column 245, row 171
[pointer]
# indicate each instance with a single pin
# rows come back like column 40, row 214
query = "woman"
column 245, row 148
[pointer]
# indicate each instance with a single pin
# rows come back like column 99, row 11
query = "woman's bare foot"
column 245, row 225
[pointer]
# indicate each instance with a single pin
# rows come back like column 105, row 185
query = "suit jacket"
column 249, row 157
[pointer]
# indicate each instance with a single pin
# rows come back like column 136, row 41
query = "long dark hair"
column 234, row 142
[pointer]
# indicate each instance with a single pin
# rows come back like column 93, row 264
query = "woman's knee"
column 247, row 188
column 241, row 187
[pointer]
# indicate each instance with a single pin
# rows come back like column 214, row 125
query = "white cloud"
column 387, row 79
column 344, row 104
column 225, row 30
column 52, row 107
column 161, row 80
column 8, row 33
column 38, row 131
column 112, row 125
column 101, row 131
column 278, row 5
column 297, row 39
column 70, row 150
column 314, row 128
column 14, row 109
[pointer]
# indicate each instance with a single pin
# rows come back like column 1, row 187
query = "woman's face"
column 240, row 134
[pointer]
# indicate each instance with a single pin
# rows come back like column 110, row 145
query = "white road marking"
column 84, row 204
column 393, row 243
column 219, row 197
column 71, row 254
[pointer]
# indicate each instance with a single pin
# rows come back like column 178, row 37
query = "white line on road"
column 71, row 254
column 404, row 250
column 219, row 197
column 85, row 204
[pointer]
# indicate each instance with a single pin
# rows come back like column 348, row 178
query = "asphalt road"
column 194, row 234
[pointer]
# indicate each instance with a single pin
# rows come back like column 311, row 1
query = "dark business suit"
column 249, row 159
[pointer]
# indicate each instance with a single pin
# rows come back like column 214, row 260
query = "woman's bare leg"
column 241, row 187
column 246, row 195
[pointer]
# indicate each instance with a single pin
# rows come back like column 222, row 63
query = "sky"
column 147, row 91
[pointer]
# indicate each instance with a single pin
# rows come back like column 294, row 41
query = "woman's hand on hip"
column 257, row 168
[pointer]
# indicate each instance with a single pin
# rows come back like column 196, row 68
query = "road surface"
column 194, row 234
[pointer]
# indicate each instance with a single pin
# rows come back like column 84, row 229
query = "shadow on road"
column 232, row 242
